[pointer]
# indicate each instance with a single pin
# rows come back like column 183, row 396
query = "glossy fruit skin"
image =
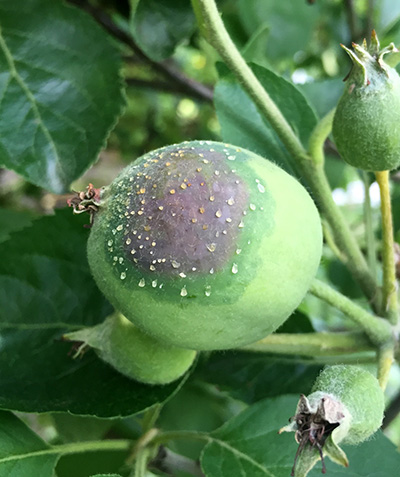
column 360, row 394
column 366, row 126
column 229, row 267
column 134, row 353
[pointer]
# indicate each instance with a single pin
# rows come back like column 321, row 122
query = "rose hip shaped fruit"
column 133, row 353
column 366, row 125
column 205, row 245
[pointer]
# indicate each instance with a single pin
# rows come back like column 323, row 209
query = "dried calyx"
column 86, row 201
column 346, row 406
column 314, row 422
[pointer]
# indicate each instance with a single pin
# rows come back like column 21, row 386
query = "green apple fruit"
column 205, row 245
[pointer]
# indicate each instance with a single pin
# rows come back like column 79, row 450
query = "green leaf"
column 87, row 464
column 243, row 125
column 291, row 24
column 212, row 409
column 72, row 428
column 160, row 26
column 20, row 450
column 323, row 95
column 342, row 279
column 46, row 289
column 45, row 281
column 252, row 376
column 12, row 220
column 249, row 444
column 396, row 208
column 298, row 322
column 60, row 91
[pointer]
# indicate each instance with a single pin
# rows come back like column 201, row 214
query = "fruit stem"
column 150, row 417
column 369, row 230
column 390, row 303
column 142, row 458
column 219, row 38
column 312, row 344
column 73, row 448
column 385, row 361
column 344, row 237
column 141, row 444
column 314, row 173
column 318, row 137
column 165, row 437
column 378, row 330
column 330, row 241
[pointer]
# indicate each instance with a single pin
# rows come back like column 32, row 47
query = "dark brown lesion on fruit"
column 86, row 201
column 185, row 213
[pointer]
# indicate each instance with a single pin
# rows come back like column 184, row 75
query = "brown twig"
column 162, row 86
column 166, row 68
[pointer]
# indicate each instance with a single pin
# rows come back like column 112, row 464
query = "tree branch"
column 159, row 85
column 166, row 68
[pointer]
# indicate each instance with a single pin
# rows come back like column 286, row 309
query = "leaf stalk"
column 377, row 329
column 390, row 302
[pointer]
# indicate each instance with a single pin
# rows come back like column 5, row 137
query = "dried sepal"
column 86, row 201
column 314, row 424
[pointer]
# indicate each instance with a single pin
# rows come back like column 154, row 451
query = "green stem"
column 378, row 330
column 150, row 417
column 312, row 344
column 344, row 237
column 390, row 303
column 142, row 458
column 330, row 241
column 74, row 448
column 164, row 437
column 369, row 229
column 141, row 444
column 385, row 361
column 221, row 41
column 319, row 136
column 313, row 172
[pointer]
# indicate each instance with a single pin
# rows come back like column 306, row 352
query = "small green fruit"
column 366, row 125
column 360, row 393
column 204, row 245
column 133, row 353
column 346, row 406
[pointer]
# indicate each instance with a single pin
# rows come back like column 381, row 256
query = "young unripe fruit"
column 358, row 391
column 204, row 245
column 133, row 353
column 346, row 406
column 366, row 125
